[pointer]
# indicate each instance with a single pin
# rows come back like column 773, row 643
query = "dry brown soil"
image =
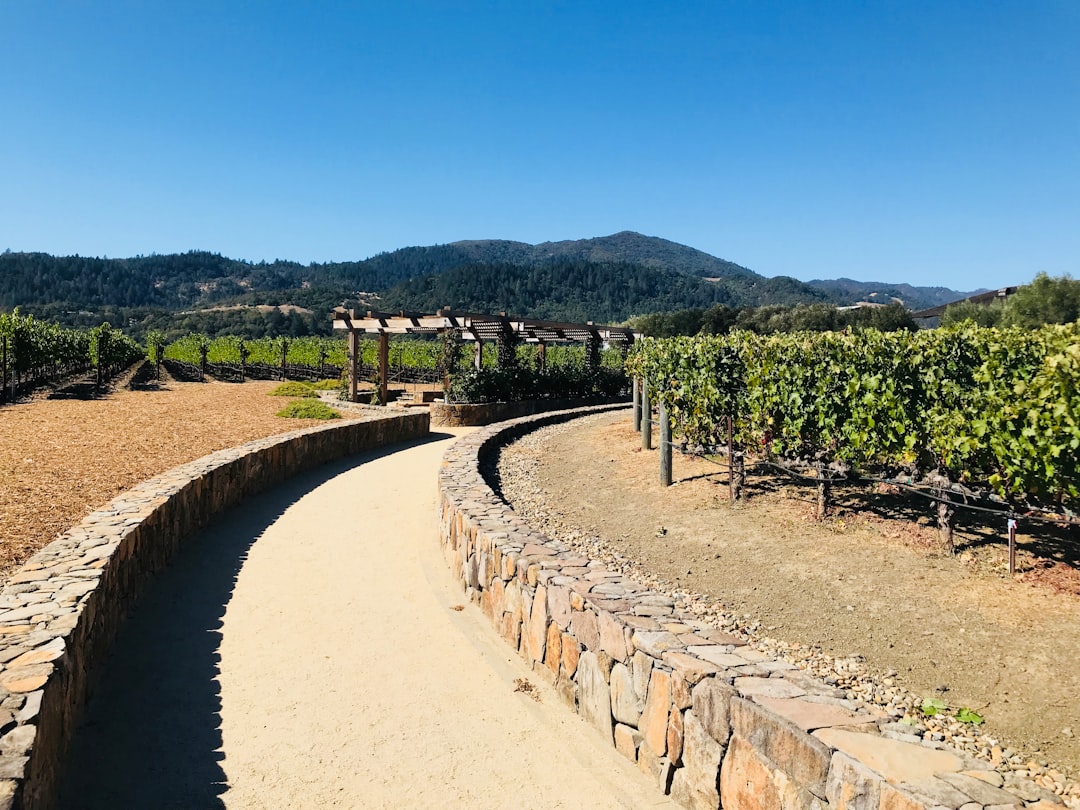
column 867, row 581
column 63, row 458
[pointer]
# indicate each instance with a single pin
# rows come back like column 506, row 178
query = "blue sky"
column 927, row 142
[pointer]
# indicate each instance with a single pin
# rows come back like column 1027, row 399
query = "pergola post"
column 384, row 367
column 354, row 364
column 541, row 355
column 478, row 354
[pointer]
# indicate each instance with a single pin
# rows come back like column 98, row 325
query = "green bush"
column 325, row 385
column 308, row 409
column 294, row 389
column 517, row 383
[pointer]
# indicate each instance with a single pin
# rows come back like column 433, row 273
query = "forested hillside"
column 608, row 278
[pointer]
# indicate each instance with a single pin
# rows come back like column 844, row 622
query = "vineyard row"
column 963, row 408
column 34, row 352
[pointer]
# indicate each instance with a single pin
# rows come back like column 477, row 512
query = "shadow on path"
column 150, row 736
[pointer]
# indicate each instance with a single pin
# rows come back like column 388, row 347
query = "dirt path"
column 307, row 652
column 940, row 626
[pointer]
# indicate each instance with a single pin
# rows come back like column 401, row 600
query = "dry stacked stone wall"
column 713, row 722
column 462, row 415
column 61, row 610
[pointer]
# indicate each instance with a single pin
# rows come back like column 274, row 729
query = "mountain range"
column 604, row 279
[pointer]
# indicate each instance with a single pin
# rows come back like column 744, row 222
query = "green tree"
column 1044, row 301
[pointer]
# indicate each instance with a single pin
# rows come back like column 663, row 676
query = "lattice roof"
column 480, row 327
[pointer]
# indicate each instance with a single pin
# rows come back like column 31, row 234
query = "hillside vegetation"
column 608, row 278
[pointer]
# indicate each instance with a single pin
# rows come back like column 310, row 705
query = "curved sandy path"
column 324, row 666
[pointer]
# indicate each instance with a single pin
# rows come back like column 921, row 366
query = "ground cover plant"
column 294, row 389
column 308, row 409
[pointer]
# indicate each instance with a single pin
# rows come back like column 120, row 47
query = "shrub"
column 294, row 389
column 307, row 409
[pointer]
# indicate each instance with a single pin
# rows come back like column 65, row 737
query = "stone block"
column 749, row 781
column 559, row 605
column 654, row 715
column 898, row 762
column 649, row 762
column 697, row 783
column 767, row 687
column 537, row 629
column 570, row 653
column 656, row 643
column 594, row 695
column 801, row 756
column 510, row 629
column 498, row 597
column 512, row 603
column 642, row 668
column 681, row 697
column 851, row 785
column 978, row 790
column 712, row 706
column 810, row 716
column 553, row 649
column 929, row 792
column 583, row 626
column 487, row 604
column 627, row 741
column 612, row 640
column 626, row 703
column 690, row 667
column 675, row 737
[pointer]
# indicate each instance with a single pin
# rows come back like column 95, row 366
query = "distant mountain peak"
column 624, row 246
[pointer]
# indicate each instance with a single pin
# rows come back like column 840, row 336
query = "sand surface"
column 304, row 652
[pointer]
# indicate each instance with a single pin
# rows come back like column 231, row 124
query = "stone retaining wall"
column 485, row 413
column 61, row 610
column 710, row 720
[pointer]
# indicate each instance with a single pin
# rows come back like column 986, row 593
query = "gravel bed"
column 1025, row 773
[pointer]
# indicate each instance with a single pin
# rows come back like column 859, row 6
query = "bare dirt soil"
column 866, row 581
column 61, row 458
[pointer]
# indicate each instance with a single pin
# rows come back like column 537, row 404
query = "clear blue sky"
column 928, row 142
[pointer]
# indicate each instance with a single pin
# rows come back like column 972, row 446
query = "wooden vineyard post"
column 646, row 416
column 665, row 446
column 384, row 367
column 637, row 404
column 945, row 512
column 736, row 471
column 823, row 490
column 354, row 364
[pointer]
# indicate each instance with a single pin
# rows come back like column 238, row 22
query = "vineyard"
column 35, row 353
column 411, row 361
column 237, row 359
column 966, row 415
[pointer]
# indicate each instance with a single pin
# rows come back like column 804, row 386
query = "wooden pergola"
column 501, row 328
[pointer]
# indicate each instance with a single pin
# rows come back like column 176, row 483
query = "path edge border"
column 710, row 720
column 61, row 610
